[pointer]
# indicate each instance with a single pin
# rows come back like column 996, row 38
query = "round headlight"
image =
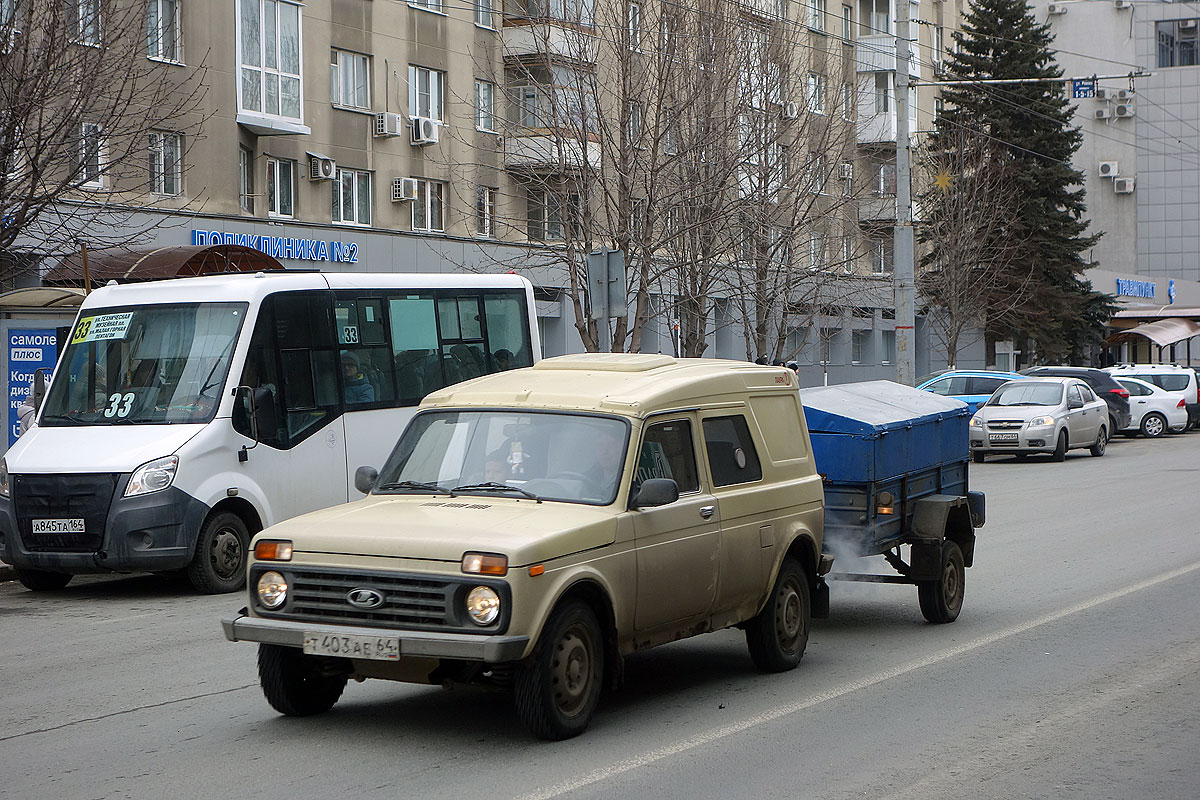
column 272, row 589
column 483, row 604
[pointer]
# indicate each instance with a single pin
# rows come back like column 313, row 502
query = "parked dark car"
column 1103, row 384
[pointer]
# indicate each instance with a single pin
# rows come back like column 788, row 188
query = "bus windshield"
column 155, row 364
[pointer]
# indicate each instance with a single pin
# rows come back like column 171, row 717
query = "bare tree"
column 95, row 117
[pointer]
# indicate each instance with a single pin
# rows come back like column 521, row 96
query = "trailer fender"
column 938, row 517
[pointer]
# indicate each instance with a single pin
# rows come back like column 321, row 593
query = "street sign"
column 29, row 350
column 1083, row 87
column 606, row 284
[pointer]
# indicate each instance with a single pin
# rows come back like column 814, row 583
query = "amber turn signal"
column 273, row 550
column 484, row 564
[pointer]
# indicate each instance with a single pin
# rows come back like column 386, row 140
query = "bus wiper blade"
column 421, row 485
column 74, row 420
column 493, row 486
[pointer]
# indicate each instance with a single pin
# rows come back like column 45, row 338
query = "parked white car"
column 1181, row 381
column 1040, row 415
column 1153, row 411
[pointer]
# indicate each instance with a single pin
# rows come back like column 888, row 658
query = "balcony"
column 877, row 208
column 877, row 53
column 525, row 37
column 550, row 152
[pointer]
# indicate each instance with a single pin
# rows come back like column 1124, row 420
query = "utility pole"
column 903, row 270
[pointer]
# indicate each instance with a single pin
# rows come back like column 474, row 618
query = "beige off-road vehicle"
column 532, row 528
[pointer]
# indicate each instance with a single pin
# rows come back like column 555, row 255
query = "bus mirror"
column 39, row 388
column 364, row 479
column 264, row 412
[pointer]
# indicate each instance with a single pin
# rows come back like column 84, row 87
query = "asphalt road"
column 1073, row 672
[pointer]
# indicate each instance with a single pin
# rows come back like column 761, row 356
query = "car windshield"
column 144, row 364
column 575, row 458
column 1028, row 393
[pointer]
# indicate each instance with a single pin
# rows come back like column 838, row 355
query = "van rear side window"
column 732, row 458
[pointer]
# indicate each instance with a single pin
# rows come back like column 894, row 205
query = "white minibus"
column 186, row 415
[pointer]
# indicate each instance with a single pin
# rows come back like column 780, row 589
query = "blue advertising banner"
column 28, row 351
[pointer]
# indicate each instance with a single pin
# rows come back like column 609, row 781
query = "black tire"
column 978, row 458
column 777, row 636
column 942, row 599
column 1112, row 427
column 40, row 580
column 1154, row 425
column 294, row 683
column 1101, row 443
column 219, row 562
column 1060, row 449
column 557, row 689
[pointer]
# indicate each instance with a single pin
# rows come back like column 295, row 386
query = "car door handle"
column 707, row 511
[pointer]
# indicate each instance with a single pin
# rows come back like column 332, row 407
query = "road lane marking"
column 779, row 712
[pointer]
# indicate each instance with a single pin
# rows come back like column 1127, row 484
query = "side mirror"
column 264, row 412
column 1073, row 403
column 655, row 492
column 364, row 479
column 39, row 388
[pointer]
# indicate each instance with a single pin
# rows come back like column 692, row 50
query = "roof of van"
column 234, row 287
column 630, row 384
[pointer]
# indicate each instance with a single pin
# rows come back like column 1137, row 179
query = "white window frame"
column 633, row 127
column 817, row 255
column 431, row 205
column 485, row 211
column 246, row 179
column 557, row 214
column 848, row 254
column 858, row 343
column 847, row 23
column 848, row 101
column 883, row 93
column 937, row 53
column 485, row 106
column 357, row 201
column 91, row 157
column 485, row 14
column 426, row 93
column 888, row 339
column 157, row 34
column 166, row 163
column 816, row 15
column 817, row 173
column 633, row 25
column 432, row 6
column 88, row 28
column 262, row 60
column 280, row 172
column 816, row 93
column 359, row 67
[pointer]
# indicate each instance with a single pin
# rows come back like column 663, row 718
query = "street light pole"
column 903, row 270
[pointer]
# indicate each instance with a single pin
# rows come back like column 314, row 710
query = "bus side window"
column 507, row 334
column 415, row 351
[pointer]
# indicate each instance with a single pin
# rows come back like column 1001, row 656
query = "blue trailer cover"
column 876, row 430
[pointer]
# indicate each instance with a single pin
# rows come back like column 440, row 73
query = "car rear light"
column 1124, row 393
column 1182, row 403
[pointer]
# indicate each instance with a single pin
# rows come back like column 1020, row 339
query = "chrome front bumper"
column 489, row 649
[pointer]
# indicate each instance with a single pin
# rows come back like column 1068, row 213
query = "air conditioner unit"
column 387, row 124
column 1101, row 113
column 1123, row 185
column 791, row 111
column 1056, row 8
column 1109, row 169
column 1105, row 94
column 1186, row 24
column 424, row 130
column 1123, row 110
column 847, row 171
column 1123, row 4
column 404, row 189
column 321, row 168
column 1125, row 94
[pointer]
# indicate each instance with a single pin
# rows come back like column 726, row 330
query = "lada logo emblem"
column 364, row 598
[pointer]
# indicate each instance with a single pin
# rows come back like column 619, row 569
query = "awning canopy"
column 126, row 265
column 1162, row 333
column 41, row 297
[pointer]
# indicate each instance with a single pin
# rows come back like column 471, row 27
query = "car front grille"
column 1005, row 424
column 85, row 497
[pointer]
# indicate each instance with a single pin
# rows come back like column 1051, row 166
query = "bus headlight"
column 153, row 476
column 272, row 589
column 483, row 605
column 4, row 477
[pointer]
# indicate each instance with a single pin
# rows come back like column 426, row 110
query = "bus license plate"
column 58, row 525
column 379, row 648
column 1003, row 437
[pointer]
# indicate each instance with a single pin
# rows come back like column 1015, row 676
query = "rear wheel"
column 1154, row 425
column 40, row 580
column 556, row 692
column 777, row 636
column 296, row 684
column 1101, row 443
column 942, row 599
column 1060, row 450
column 219, row 561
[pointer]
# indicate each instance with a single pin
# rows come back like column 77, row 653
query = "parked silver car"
column 1040, row 415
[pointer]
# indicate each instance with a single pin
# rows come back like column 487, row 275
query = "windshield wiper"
column 420, row 485
column 74, row 420
column 493, row 486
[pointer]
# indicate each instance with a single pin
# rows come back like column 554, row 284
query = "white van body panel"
column 97, row 448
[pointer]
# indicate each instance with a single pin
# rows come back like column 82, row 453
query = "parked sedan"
column 1040, row 415
column 1155, row 410
column 973, row 387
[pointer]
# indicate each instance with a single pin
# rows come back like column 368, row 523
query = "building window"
column 280, row 187
column 889, row 346
column 162, row 30
column 633, row 130
column 485, row 211
column 269, row 47
column 847, row 23
column 882, row 93
column 848, row 254
column 352, row 197
column 429, row 210
column 86, row 25
column 816, row 173
column 484, row 14
column 428, row 5
column 848, row 101
column 882, row 255
column 1176, row 43
column 816, row 14
column 846, row 176
column 246, row 179
column 938, row 107
column 859, row 345
column 816, row 93
column 549, row 214
column 885, row 179
column 634, row 20
column 485, row 106
column 348, row 79
column 89, row 155
column 166, row 163
column 425, row 92
column 879, row 20
column 816, row 251
column 938, row 43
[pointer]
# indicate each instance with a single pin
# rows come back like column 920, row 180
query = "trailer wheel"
column 556, row 692
column 777, row 636
column 40, row 580
column 942, row 599
column 293, row 683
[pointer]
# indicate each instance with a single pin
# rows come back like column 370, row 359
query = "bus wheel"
column 39, row 580
column 219, row 562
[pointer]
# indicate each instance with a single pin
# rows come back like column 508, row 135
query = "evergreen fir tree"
column 1031, row 124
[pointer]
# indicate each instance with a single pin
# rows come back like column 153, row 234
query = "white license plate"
column 1002, row 437
column 379, row 648
column 58, row 526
